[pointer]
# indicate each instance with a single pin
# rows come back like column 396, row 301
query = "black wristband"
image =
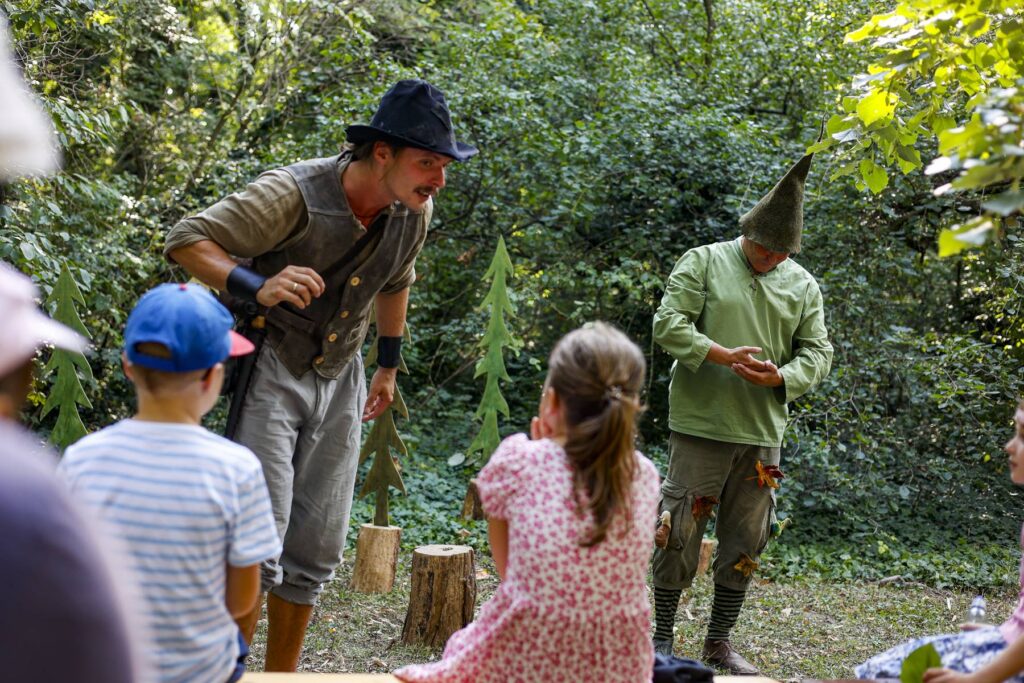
column 244, row 283
column 389, row 352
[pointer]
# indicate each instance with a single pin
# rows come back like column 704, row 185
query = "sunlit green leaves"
column 874, row 176
column 951, row 70
column 1005, row 204
column 877, row 106
column 973, row 233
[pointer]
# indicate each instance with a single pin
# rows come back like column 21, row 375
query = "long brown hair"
column 597, row 373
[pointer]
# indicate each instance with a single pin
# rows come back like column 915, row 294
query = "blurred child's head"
column 25, row 328
column 1015, row 447
column 596, row 374
column 176, row 341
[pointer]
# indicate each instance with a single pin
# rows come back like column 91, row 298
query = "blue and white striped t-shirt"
column 184, row 503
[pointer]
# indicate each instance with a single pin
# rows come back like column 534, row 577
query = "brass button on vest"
column 344, row 314
column 318, row 360
column 355, row 281
column 333, row 337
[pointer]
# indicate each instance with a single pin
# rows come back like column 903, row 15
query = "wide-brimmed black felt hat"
column 414, row 113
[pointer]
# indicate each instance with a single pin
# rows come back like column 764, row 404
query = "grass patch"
column 790, row 628
column 821, row 629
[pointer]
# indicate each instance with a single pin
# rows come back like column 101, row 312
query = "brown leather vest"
column 325, row 335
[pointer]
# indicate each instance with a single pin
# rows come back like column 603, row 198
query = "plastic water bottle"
column 976, row 612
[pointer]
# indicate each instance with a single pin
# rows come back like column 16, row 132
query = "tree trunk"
column 376, row 558
column 442, row 596
column 472, row 508
column 709, row 36
column 707, row 551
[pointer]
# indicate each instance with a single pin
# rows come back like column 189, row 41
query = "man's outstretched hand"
column 381, row 393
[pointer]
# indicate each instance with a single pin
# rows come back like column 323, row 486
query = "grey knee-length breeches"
column 306, row 432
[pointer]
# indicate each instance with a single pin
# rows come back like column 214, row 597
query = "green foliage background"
column 614, row 135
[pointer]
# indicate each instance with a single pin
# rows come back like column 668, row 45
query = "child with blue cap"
column 189, row 508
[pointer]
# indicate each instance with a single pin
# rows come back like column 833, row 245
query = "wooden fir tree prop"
column 67, row 392
column 492, row 364
column 378, row 543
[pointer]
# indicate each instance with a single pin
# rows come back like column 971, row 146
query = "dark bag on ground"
column 672, row 669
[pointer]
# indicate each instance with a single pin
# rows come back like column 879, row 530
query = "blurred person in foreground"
column 62, row 619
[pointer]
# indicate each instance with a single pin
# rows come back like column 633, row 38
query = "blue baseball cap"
column 190, row 322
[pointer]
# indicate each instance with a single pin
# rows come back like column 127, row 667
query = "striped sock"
column 666, row 602
column 724, row 611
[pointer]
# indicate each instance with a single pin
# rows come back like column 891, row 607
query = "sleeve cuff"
column 398, row 286
column 177, row 241
column 701, row 347
column 783, row 394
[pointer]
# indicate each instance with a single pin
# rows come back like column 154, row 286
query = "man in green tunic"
column 746, row 328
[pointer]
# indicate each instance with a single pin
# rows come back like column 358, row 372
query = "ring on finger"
column 295, row 285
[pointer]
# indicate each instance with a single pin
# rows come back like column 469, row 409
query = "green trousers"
column 700, row 469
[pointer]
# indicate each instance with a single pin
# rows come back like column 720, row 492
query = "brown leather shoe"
column 720, row 653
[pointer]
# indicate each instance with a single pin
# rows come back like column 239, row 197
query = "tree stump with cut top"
column 376, row 558
column 472, row 508
column 442, row 596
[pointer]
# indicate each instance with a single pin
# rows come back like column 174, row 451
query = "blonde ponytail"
column 597, row 373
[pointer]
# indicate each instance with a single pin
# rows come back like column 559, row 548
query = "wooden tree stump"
column 376, row 558
column 472, row 508
column 707, row 551
column 442, row 596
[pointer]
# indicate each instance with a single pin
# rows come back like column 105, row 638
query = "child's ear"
column 126, row 366
column 551, row 414
column 214, row 377
column 554, row 401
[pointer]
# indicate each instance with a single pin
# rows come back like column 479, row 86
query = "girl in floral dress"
column 979, row 653
column 571, row 513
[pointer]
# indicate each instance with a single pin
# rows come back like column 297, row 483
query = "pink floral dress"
column 563, row 612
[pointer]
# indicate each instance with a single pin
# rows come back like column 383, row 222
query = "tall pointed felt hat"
column 777, row 220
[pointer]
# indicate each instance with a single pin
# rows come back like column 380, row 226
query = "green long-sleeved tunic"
column 714, row 296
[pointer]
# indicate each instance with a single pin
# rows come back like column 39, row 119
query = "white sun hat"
column 25, row 328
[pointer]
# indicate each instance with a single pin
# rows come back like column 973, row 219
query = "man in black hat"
column 746, row 327
column 330, row 240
